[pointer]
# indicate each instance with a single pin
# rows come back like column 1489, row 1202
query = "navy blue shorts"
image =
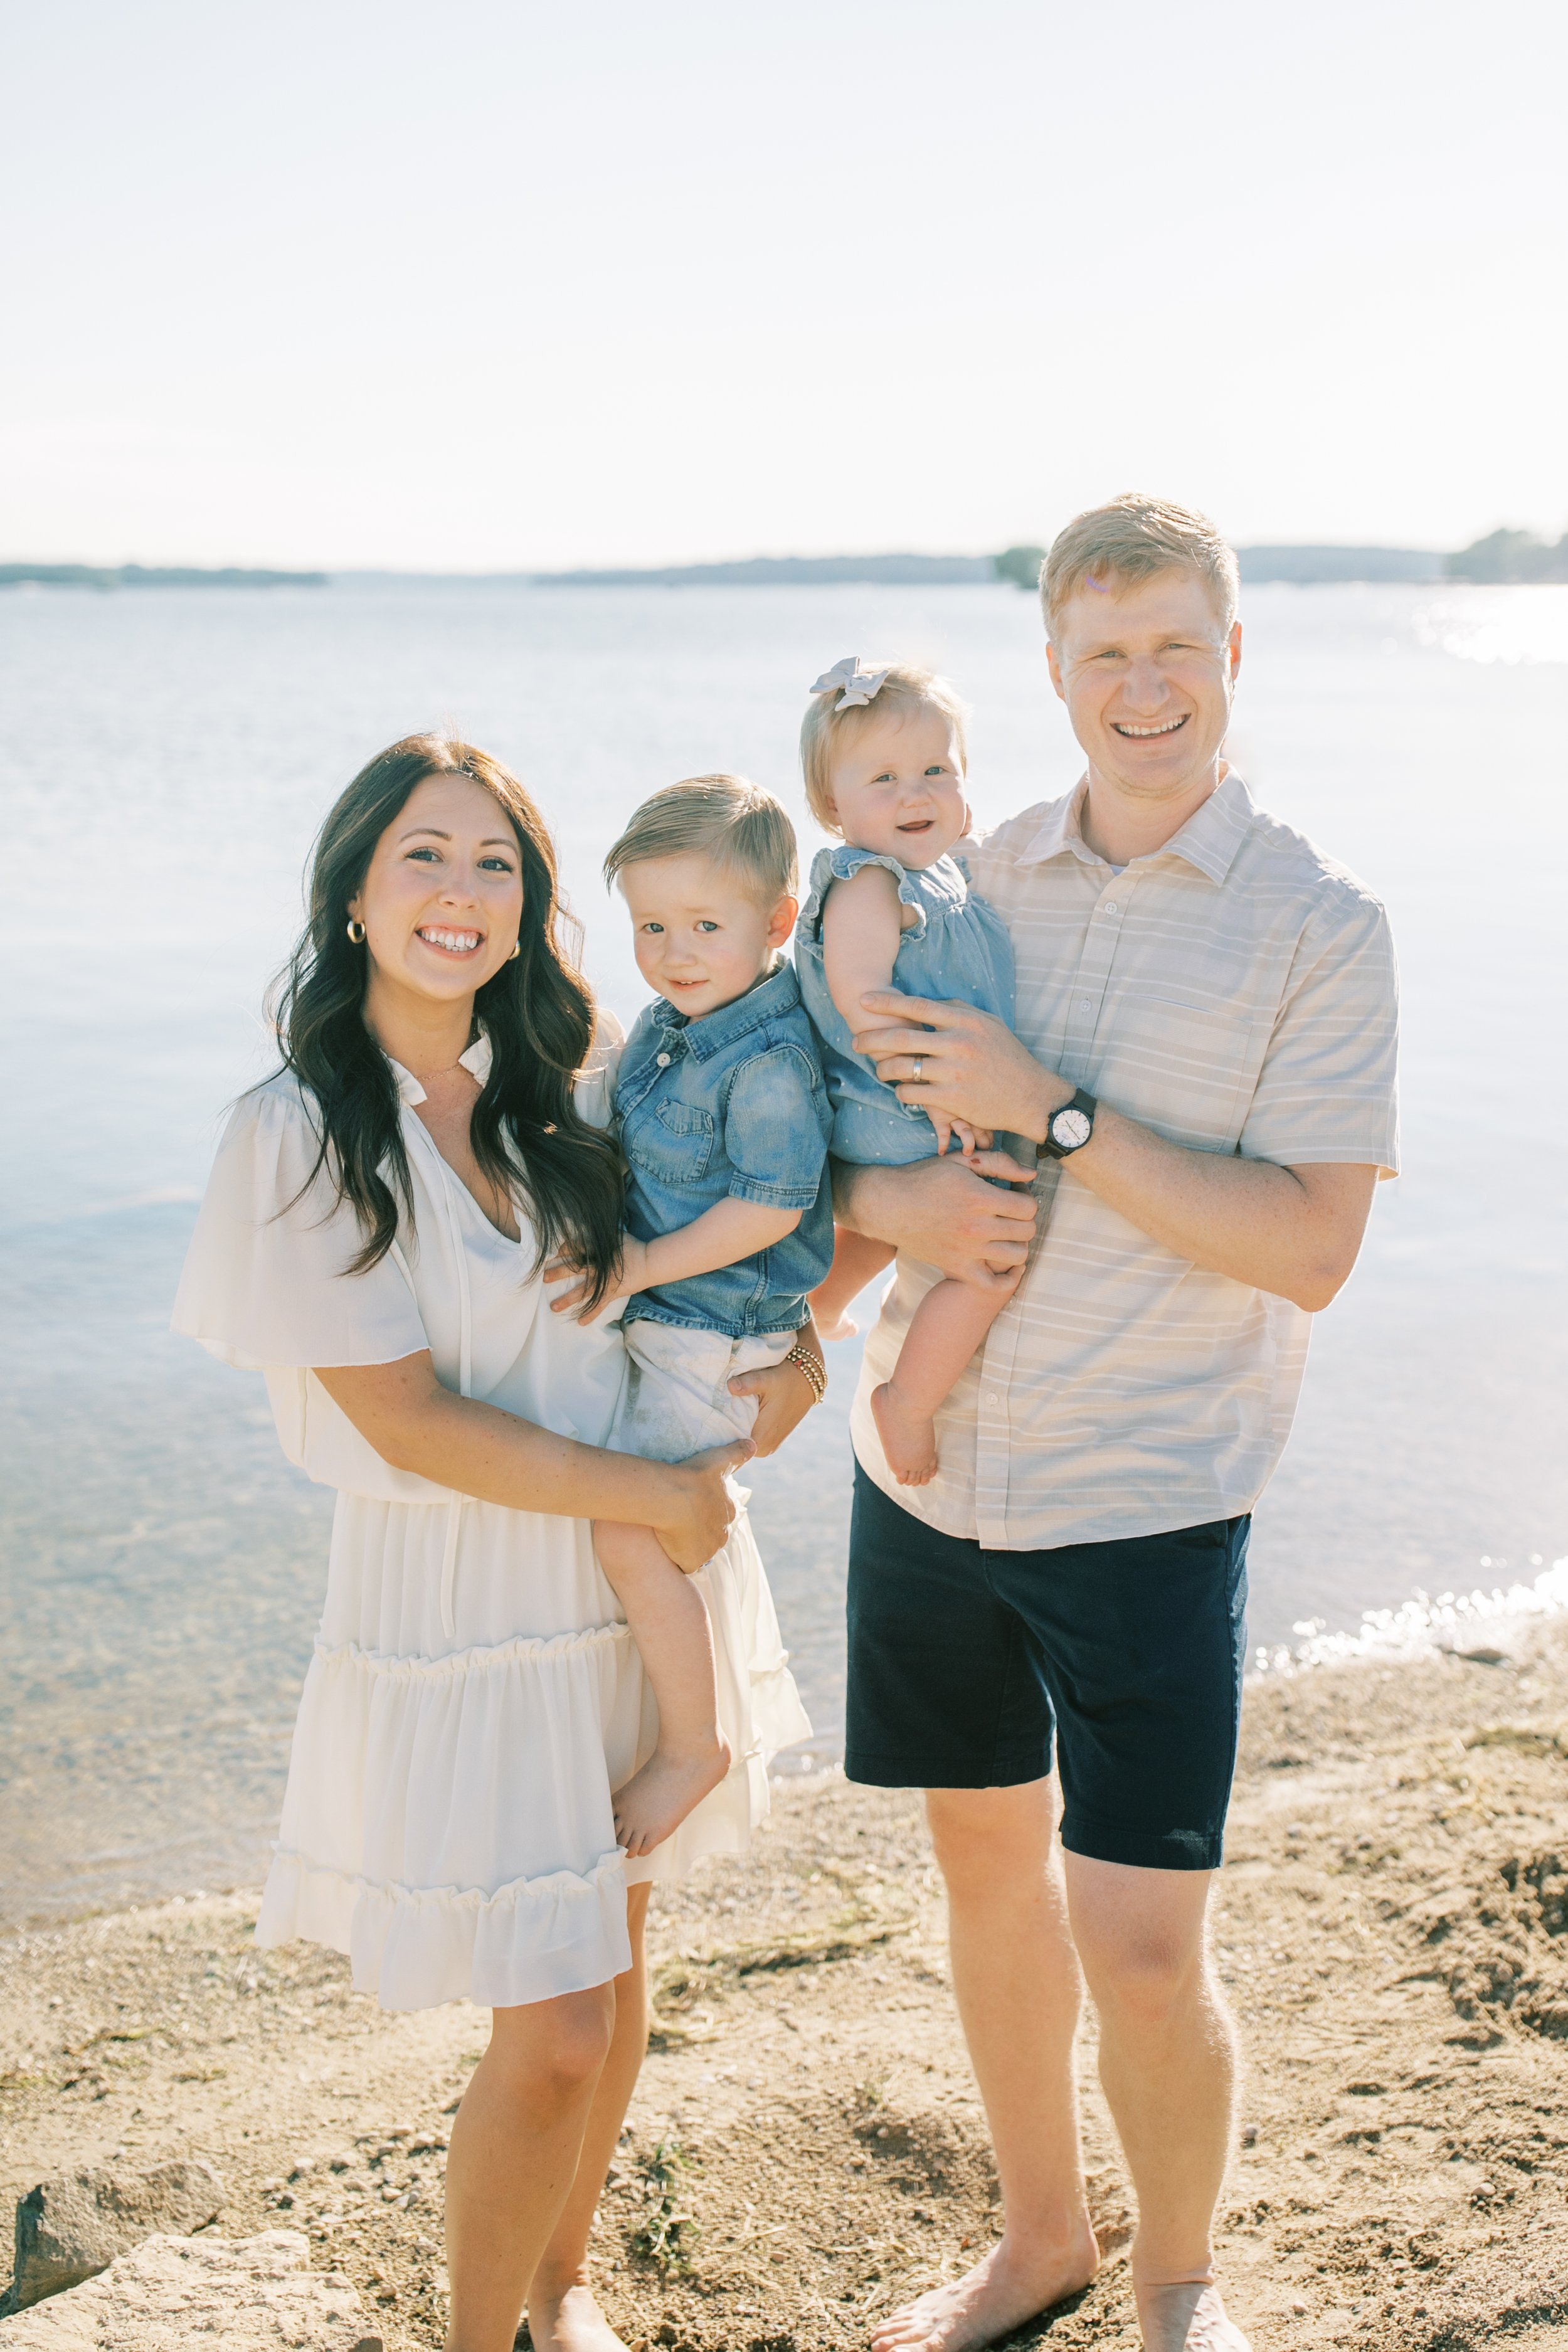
column 964, row 1664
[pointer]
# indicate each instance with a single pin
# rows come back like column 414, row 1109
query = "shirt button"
column 1110, row 906
column 663, row 1060
column 1083, row 1004
column 992, row 1398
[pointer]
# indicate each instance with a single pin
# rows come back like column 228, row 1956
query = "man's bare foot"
column 909, row 1439
column 570, row 2322
column 1187, row 2320
column 998, row 2294
column 671, row 1785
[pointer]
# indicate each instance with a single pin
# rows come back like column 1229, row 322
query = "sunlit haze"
column 501, row 286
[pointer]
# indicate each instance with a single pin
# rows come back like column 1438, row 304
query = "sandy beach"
column 805, row 2149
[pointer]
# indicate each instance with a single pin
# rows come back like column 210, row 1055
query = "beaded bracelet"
column 816, row 1374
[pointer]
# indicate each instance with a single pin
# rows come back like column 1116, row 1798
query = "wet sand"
column 805, row 2148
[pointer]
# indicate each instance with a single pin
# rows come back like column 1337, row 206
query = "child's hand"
column 971, row 1139
column 633, row 1276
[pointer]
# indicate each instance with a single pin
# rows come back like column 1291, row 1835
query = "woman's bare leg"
column 516, row 2146
column 946, row 1327
column 669, row 1626
column 856, row 1260
column 563, row 2315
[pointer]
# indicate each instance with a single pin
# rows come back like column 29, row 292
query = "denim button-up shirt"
column 730, row 1108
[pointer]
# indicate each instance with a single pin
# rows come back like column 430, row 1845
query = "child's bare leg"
column 944, row 1331
column 856, row 1260
column 669, row 1626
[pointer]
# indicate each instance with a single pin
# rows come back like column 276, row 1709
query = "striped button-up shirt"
column 1236, row 992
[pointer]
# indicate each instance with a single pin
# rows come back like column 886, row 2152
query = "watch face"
column 1070, row 1130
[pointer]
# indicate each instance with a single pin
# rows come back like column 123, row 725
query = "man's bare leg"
column 562, row 2313
column 1167, row 2060
column 1017, row 1981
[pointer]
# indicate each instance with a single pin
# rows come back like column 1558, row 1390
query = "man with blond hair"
column 1204, row 1059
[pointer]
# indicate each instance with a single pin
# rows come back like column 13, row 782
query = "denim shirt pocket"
column 670, row 1141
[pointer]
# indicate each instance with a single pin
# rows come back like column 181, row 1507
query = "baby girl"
column 884, row 758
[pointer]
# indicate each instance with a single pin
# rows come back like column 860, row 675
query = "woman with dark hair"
column 373, row 1238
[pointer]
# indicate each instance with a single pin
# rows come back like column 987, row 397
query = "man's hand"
column 784, row 1395
column 940, row 1212
column 971, row 1066
column 633, row 1276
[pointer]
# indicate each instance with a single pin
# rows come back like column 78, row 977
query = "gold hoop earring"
column 356, row 932
column 516, row 950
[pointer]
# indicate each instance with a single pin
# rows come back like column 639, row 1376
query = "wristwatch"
column 1069, row 1129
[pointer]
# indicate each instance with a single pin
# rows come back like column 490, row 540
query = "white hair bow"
column 860, row 684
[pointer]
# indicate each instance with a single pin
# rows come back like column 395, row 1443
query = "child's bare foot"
column 671, row 1784
column 908, row 1438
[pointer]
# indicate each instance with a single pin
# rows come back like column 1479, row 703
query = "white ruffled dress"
column 475, row 1694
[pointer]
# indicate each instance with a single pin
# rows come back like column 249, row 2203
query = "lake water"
column 166, row 758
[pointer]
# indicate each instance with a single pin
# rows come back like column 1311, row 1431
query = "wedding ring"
column 919, row 1065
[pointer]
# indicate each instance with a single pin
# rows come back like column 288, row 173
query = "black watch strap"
column 1069, row 1127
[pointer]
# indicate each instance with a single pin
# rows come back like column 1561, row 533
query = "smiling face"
column 896, row 784
column 441, row 901
column 702, row 941
column 1148, row 675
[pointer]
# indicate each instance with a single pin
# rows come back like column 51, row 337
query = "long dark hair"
column 537, row 1012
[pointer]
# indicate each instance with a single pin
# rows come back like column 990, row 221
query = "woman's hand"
column 631, row 1276
column 701, row 1510
column 784, row 1395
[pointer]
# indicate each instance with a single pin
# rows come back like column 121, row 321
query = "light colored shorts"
column 678, row 1398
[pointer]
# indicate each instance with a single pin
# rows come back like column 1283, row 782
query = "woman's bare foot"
column 1186, row 2319
column 671, row 1784
column 909, row 1439
column 999, row 2294
column 571, row 2322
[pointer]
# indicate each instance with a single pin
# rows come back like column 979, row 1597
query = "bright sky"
column 497, row 284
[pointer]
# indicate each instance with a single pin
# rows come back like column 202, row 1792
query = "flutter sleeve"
column 266, row 1284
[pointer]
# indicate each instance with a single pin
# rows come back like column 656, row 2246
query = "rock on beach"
column 256, row 2295
column 74, row 2224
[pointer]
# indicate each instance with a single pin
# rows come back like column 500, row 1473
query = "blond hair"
column 739, row 825
column 826, row 728
column 1134, row 538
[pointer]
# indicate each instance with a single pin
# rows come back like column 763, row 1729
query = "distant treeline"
column 1506, row 555
column 1512, row 555
column 1502, row 556
column 143, row 576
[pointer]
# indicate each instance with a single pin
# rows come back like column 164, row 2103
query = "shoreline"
column 805, row 2148
column 1480, row 1626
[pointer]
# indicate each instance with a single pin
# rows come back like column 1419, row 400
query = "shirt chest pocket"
column 671, row 1140
column 1188, row 1069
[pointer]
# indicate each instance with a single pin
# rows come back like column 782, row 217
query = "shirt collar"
column 710, row 1034
column 1208, row 840
column 476, row 1060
